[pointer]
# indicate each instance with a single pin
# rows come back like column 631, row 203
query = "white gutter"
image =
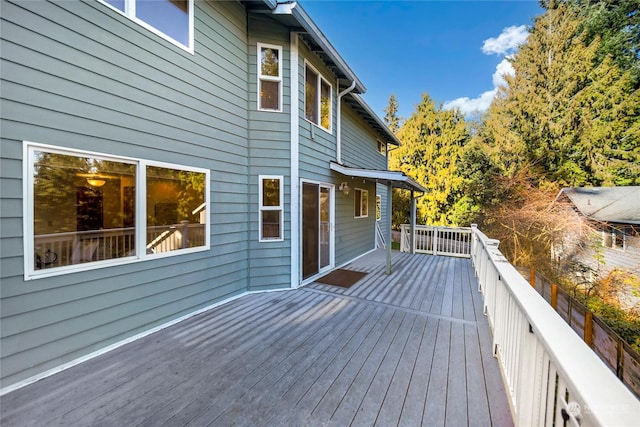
column 339, row 120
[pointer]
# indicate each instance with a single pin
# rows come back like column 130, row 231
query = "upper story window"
column 317, row 98
column 382, row 148
column 171, row 19
column 361, row 203
column 84, row 210
column 269, row 77
column 271, row 208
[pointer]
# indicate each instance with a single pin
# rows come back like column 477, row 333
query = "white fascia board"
column 396, row 177
column 295, row 9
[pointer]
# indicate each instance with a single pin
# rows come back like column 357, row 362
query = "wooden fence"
column 613, row 350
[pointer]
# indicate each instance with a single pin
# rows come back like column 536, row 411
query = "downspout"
column 339, row 120
column 296, row 241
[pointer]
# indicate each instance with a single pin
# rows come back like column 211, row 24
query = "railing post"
column 619, row 358
column 554, row 297
column 588, row 328
column 532, row 277
column 434, row 241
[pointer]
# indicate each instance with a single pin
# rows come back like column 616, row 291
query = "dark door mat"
column 341, row 277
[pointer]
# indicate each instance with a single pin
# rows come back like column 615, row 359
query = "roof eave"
column 391, row 138
column 304, row 20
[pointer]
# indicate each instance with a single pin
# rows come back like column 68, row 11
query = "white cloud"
column 469, row 106
column 505, row 44
column 507, row 41
column 502, row 69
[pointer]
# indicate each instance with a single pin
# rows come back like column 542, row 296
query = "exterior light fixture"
column 344, row 187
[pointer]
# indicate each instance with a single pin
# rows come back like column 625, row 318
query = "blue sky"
column 452, row 50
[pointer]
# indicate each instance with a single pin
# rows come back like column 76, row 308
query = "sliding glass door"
column 316, row 228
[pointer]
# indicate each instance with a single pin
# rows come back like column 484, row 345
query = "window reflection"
column 176, row 214
column 169, row 16
column 84, row 209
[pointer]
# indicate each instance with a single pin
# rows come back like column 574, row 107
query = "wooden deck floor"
column 408, row 349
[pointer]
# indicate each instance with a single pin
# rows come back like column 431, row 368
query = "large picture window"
column 88, row 208
column 171, row 19
column 269, row 77
column 271, row 208
column 317, row 99
column 361, row 204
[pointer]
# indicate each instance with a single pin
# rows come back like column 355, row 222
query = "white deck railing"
column 551, row 376
column 448, row 241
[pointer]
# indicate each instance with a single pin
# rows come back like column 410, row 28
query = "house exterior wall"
column 269, row 154
column 604, row 260
column 627, row 259
column 355, row 236
column 79, row 75
column 587, row 251
column 317, row 146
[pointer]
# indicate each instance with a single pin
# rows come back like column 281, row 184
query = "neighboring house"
column 160, row 159
column 608, row 235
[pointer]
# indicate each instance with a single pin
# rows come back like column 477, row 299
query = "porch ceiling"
column 396, row 179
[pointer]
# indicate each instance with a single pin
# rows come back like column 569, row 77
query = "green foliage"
column 391, row 118
column 569, row 114
column 624, row 323
column 617, row 24
column 432, row 143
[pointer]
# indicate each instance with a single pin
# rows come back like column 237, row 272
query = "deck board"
column 408, row 349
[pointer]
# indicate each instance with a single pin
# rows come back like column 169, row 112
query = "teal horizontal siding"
column 79, row 75
column 269, row 154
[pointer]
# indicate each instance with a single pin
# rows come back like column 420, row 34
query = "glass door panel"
column 325, row 227
column 310, row 229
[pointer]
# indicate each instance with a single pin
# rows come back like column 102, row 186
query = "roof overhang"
column 358, row 104
column 396, row 179
column 620, row 205
column 292, row 15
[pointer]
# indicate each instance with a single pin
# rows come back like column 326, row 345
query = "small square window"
column 269, row 77
column 271, row 212
column 361, row 203
column 382, row 148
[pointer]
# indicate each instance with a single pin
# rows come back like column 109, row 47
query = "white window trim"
column 31, row 273
column 613, row 234
column 130, row 13
column 382, row 144
column 262, row 208
column 278, row 79
column 362, row 191
column 319, row 98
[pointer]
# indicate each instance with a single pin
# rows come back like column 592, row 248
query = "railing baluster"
column 552, row 377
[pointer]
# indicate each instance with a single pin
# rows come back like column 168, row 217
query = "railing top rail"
column 608, row 401
column 440, row 227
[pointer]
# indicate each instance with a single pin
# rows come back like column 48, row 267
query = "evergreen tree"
column 391, row 118
column 432, row 141
column 569, row 117
column 617, row 24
